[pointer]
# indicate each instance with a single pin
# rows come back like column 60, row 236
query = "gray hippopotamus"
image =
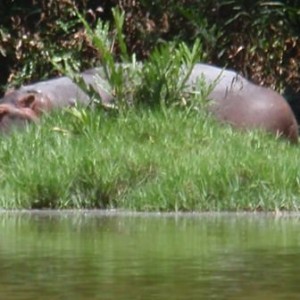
column 55, row 93
column 243, row 104
column 235, row 100
column 27, row 103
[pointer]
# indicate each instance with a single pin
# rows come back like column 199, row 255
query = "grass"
column 147, row 160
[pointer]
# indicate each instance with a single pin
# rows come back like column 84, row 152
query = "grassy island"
column 160, row 150
column 147, row 160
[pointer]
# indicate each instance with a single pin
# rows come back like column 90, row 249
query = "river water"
column 96, row 255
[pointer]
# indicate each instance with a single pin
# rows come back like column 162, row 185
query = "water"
column 96, row 256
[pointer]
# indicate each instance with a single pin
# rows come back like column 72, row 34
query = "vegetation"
column 268, row 53
column 156, row 149
column 150, row 160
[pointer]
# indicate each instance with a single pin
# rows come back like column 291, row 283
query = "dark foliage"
column 258, row 38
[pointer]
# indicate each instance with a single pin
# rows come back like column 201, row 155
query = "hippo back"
column 221, row 80
column 237, row 101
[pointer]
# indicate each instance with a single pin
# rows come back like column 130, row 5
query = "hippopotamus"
column 27, row 103
column 234, row 99
column 243, row 104
column 56, row 93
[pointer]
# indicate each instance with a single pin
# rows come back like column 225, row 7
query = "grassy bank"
column 146, row 160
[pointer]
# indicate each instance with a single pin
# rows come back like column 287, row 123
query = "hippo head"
column 36, row 101
column 18, row 108
column 12, row 116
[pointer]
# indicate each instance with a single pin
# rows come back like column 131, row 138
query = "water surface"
column 89, row 255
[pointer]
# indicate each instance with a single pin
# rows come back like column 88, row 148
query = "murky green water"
column 88, row 256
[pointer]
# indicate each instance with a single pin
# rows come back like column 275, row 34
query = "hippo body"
column 237, row 101
column 58, row 92
column 62, row 91
column 234, row 99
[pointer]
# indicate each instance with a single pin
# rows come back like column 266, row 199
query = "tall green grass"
column 147, row 160
column 156, row 150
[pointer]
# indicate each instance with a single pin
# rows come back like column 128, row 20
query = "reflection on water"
column 88, row 256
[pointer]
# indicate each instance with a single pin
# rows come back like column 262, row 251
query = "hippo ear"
column 26, row 100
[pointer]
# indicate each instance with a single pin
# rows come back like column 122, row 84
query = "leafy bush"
column 160, row 81
column 258, row 38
